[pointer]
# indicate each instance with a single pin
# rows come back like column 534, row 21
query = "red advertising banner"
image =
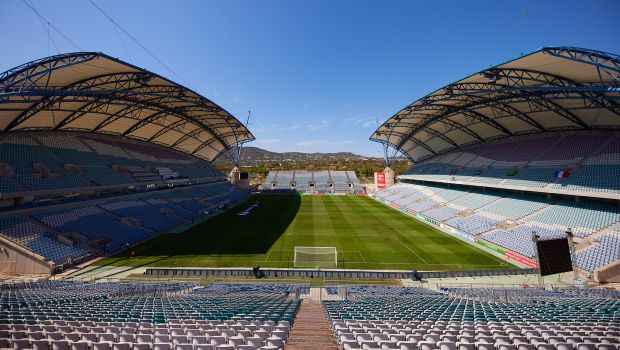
column 380, row 180
column 519, row 258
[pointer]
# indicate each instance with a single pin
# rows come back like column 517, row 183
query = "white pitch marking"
column 414, row 253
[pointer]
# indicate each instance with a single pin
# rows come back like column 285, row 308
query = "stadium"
column 119, row 232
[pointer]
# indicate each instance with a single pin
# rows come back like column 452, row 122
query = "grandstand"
column 75, row 315
column 503, row 162
column 416, row 318
column 82, row 176
column 313, row 181
column 94, row 181
column 516, row 164
column 79, row 160
column 184, row 316
column 506, row 220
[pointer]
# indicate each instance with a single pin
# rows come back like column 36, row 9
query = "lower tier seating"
column 323, row 181
column 508, row 220
column 36, row 238
column 605, row 250
column 127, row 316
column 585, row 321
column 115, row 224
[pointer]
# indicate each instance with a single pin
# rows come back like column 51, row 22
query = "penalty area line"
column 414, row 253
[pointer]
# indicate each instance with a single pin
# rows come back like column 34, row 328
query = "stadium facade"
column 97, row 154
column 528, row 145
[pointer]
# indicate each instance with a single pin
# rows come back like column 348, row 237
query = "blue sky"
column 313, row 73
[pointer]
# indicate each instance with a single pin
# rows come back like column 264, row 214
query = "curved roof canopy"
column 93, row 92
column 552, row 89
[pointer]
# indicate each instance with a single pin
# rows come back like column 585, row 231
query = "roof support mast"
column 240, row 143
column 387, row 157
column 236, row 148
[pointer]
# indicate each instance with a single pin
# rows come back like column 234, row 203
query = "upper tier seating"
column 70, row 149
column 46, row 161
column 104, row 175
column 59, row 180
column 22, row 152
column 591, row 163
column 8, row 184
column 598, row 173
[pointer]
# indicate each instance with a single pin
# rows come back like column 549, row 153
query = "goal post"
column 323, row 257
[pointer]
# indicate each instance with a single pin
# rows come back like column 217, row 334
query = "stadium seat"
column 498, row 218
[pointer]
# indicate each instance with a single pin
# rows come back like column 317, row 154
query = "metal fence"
column 328, row 273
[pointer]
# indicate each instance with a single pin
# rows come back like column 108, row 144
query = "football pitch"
column 366, row 234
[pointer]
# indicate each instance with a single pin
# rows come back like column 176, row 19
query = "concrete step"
column 306, row 337
column 311, row 330
column 311, row 341
column 318, row 331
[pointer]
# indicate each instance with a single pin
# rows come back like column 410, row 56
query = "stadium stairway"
column 311, row 329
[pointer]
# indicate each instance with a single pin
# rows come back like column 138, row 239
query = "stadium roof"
column 552, row 89
column 93, row 92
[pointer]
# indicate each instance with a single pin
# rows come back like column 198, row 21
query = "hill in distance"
column 260, row 162
column 254, row 156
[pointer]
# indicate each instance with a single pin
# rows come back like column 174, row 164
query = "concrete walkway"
column 102, row 272
column 311, row 329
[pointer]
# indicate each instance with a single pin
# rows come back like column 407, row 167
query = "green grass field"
column 367, row 235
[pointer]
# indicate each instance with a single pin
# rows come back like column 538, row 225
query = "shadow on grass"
column 226, row 234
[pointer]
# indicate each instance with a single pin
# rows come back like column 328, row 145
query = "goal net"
column 324, row 257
